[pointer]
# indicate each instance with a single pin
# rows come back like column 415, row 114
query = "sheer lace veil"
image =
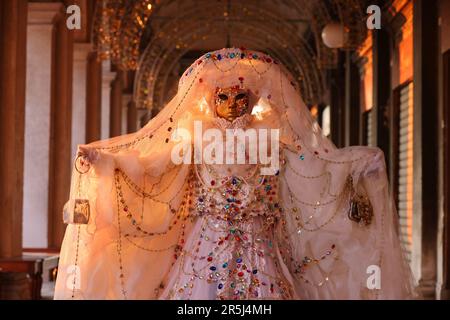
column 317, row 182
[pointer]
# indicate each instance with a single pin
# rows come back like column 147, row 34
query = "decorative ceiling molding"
column 288, row 30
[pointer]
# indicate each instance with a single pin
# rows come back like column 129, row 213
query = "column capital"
column 81, row 50
column 107, row 75
column 44, row 12
column 126, row 97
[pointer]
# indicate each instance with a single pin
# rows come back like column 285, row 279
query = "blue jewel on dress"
column 208, row 55
column 302, row 157
column 232, row 55
column 239, row 260
column 255, row 271
column 255, row 56
column 220, row 286
column 212, row 268
column 219, row 57
column 225, row 265
column 234, row 181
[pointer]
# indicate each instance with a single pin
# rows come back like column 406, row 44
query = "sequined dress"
column 231, row 252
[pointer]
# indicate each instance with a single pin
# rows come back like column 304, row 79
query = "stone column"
column 13, row 24
column 80, row 66
column 115, row 128
column 107, row 78
column 426, row 173
column 41, row 19
column 93, row 98
column 126, row 99
column 60, row 141
column 381, row 89
column 132, row 117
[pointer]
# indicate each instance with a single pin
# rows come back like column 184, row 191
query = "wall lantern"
column 334, row 35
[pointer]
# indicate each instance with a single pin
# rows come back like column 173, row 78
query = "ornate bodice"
column 235, row 198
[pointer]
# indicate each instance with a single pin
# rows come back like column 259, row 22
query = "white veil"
column 137, row 198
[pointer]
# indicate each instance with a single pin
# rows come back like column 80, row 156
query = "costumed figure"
column 171, row 212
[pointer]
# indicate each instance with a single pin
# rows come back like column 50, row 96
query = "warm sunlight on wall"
column 406, row 46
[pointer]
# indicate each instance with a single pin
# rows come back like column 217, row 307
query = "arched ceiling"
column 160, row 38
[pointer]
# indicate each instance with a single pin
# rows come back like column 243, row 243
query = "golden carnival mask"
column 231, row 103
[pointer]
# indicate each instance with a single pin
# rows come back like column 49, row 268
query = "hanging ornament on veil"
column 360, row 209
column 77, row 210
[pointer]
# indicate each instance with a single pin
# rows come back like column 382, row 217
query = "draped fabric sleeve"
column 130, row 239
column 331, row 256
column 136, row 197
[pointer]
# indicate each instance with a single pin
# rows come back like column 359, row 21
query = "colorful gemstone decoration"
column 302, row 157
column 229, row 274
column 232, row 55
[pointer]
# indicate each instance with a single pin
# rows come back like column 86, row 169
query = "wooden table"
column 33, row 264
